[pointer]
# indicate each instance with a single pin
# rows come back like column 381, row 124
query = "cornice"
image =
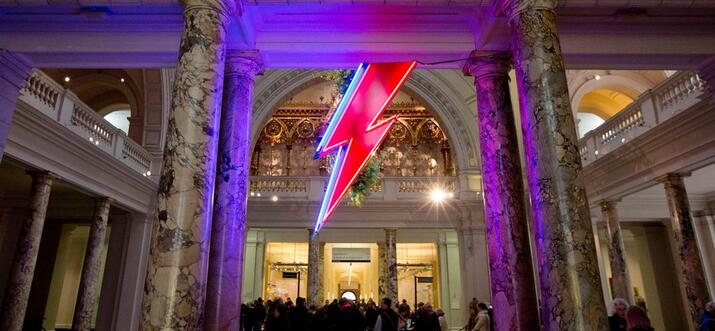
column 30, row 121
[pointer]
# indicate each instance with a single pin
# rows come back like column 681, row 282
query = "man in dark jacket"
column 387, row 320
column 299, row 316
column 427, row 319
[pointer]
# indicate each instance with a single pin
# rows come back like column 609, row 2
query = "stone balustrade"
column 312, row 188
column 674, row 95
column 63, row 106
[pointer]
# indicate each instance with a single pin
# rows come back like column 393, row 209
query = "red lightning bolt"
column 356, row 130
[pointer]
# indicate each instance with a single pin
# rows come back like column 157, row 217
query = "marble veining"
column 175, row 287
column 512, row 282
column 570, row 288
column 620, row 280
column 691, row 267
column 228, row 228
column 391, row 264
column 89, row 280
column 17, row 292
column 315, row 269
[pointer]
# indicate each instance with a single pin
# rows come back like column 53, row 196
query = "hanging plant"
column 370, row 177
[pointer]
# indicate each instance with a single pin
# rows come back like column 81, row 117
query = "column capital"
column 608, row 203
column 41, row 174
column 672, row 178
column 244, row 62
column 226, row 7
column 512, row 8
column 484, row 64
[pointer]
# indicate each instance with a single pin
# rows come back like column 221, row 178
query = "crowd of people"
column 635, row 318
column 347, row 315
column 341, row 315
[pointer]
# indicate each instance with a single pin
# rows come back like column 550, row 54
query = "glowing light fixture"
column 597, row 77
column 67, row 79
column 438, row 195
column 355, row 131
column 274, row 198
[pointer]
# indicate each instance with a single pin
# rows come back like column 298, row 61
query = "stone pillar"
column 175, row 287
column 620, row 277
column 14, row 70
column 228, row 234
column 17, row 292
column 566, row 254
column 89, row 280
column 381, row 273
column 512, row 277
column 390, row 264
column 691, row 268
column 705, row 246
column 315, row 269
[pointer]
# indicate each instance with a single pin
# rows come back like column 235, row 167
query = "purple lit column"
column 228, row 228
column 175, row 288
column 570, row 288
column 17, row 292
column 14, row 70
column 512, row 277
column 620, row 279
column 691, row 268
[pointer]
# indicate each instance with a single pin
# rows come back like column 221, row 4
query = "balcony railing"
column 63, row 106
column 674, row 95
column 312, row 188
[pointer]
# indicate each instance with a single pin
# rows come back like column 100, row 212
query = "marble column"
column 381, row 274
column 14, row 70
column 315, row 269
column 176, row 279
column 17, row 292
column 228, row 233
column 620, row 277
column 390, row 264
column 89, row 280
column 570, row 288
column 512, row 277
column 691, row 268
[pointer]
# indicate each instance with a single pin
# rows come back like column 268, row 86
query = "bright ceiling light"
column 274, row 198
column 67, row 79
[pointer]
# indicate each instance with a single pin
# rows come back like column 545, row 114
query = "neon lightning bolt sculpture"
column 355, row 130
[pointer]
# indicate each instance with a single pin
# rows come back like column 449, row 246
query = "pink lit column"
column 570, row 287
column 175, row 288
column 228, row 233
column 512, row 277
column 691, row 268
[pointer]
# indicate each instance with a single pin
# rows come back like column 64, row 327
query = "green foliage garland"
column 370, row 177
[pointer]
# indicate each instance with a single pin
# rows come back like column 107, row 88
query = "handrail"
column 63, row 106
column 312, row 188
column 675, row 94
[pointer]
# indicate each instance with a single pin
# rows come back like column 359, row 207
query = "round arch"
column 127, row 88
column 276, row 86
column 629, row 83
